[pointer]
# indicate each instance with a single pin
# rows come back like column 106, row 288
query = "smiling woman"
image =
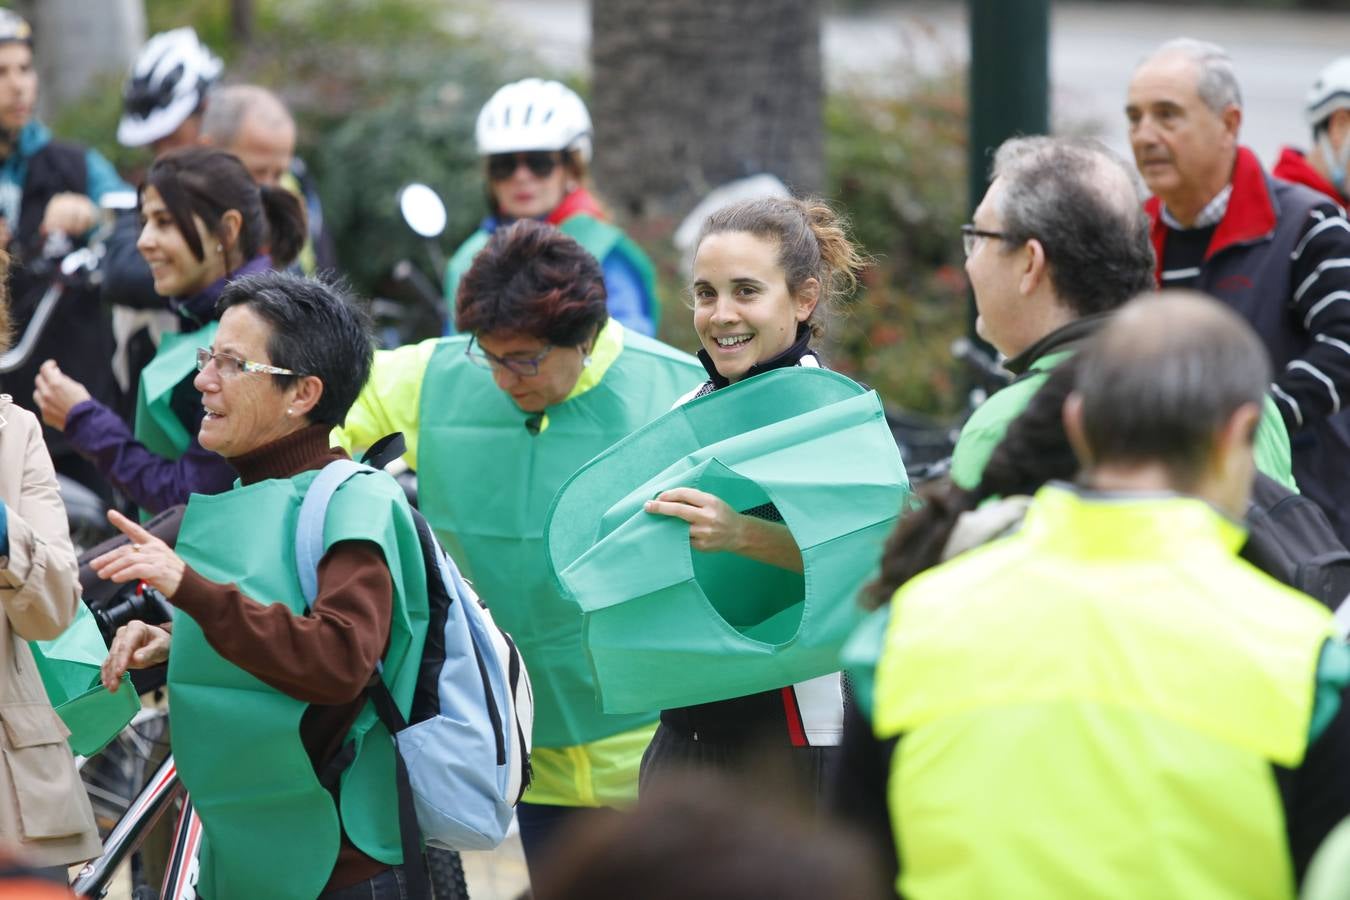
column 268, row 686
column 206, row 223
column 764, row 270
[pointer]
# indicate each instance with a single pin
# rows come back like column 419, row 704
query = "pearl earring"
column 220, row 248
column 289, row 411
column 586, row 360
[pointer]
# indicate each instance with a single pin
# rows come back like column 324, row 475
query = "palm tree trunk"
column 689, row 94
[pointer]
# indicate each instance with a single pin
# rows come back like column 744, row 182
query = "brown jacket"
column 44, row 811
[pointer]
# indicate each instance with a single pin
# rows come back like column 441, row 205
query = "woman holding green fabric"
column 265, row 690
column 496, row 419
column 206, row 223
column 763, row 271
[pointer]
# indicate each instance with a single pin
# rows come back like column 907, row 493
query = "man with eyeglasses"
column 1057, row 243
column 1277, row 253
column 535, row 140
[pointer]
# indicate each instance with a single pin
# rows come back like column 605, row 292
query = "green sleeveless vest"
column 669, row 626
column 485, row 483
column 599, row 238
column 157, row 427
column 271, row 830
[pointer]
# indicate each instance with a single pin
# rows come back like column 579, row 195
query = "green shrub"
column 897, row 166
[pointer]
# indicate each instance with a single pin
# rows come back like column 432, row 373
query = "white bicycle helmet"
column 1330, row 92
column 534, row 114
column 168, row 81
column 14, row 28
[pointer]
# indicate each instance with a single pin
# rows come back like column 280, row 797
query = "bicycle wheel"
column 447, row 875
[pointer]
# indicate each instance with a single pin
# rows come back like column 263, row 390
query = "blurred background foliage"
column 386, row 92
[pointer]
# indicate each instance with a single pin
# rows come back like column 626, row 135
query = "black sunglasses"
column 541, row 164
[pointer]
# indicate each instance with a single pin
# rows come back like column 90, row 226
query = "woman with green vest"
column 266, row 690
column 535, row 140
column 496, row 419
column 206, row 223
column 765, row 272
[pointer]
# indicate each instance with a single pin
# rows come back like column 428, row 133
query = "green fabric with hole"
column 668, row 626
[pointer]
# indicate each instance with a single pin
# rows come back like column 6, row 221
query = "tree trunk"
column 689, row 94
column 77, row 43
column 241, row 21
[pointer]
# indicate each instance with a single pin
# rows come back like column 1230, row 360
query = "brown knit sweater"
column 325, row 658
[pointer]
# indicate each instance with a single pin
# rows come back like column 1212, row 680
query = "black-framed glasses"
column 969, row 233
column 524, row 366
column 229, row 366
column 541, row 163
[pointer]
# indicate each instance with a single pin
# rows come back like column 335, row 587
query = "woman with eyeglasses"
column 206, row 223
column 535, row 138
column 269, row 684
column 496, row 419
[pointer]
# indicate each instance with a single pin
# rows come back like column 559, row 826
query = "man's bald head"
column 1163, row 379
column 252, row 123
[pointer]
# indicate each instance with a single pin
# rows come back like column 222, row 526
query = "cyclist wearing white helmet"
column 1327, row 112
column 535, row 138
column 165, row 94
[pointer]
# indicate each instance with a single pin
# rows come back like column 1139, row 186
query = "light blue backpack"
column 464, row 750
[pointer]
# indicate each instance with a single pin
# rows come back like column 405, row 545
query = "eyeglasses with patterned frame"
column 229, row 366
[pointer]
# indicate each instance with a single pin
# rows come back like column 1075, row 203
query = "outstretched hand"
column 136, row 645
column 146, row 558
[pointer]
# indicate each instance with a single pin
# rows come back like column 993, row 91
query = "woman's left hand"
column 57, row 394
column 146, row 558
column 713, row 525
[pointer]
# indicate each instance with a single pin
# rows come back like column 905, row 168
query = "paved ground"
column 1094, row 47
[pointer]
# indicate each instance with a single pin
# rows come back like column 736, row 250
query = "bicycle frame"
column 150, row 805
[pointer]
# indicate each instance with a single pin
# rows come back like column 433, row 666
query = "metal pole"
column 1009, row 82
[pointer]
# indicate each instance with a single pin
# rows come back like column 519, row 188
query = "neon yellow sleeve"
column 390, row 400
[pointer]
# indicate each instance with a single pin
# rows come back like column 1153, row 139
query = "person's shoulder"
column 15, row 417
column 987, row 425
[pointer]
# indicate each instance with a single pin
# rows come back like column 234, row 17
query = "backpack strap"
column 385, row 450
column 313, row 512
column 308, row 552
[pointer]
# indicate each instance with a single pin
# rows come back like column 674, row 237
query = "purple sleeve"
column 151, row 482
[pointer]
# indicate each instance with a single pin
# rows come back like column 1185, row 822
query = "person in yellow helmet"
column 1108, row 703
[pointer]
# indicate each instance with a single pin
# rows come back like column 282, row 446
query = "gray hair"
column 1082, row 203
column 227, row 106
column 1163, row 376
column 1217, row 83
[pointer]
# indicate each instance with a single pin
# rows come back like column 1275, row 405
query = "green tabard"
column 271, row 830
column 670, row 626
column 485, row 483
column 600, row 240
column 157, row 427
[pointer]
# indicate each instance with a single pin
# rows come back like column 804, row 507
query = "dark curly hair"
column 533, row 279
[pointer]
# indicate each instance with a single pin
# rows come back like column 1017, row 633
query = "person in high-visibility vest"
column 1108, row 702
